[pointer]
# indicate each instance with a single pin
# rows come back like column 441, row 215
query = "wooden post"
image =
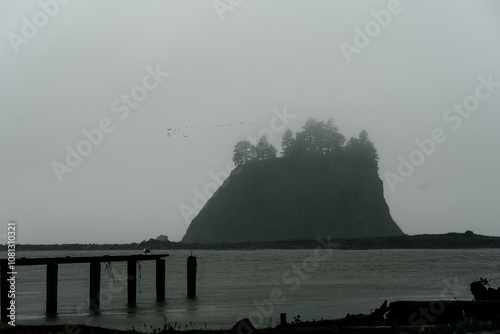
column 95, row 286
column 282, row 318
column 5, row 291
column 51, row 289
column 160, row 280
column 132, row 281
column 191, row 276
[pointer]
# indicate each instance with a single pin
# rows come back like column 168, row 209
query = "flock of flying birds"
column 183, row 130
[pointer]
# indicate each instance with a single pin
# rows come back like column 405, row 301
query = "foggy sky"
column 241, row 65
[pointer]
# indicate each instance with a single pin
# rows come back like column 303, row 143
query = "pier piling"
column 95, row 286
column 132, row 281
column 191, row 276
column 51, row 289
column 160, row 280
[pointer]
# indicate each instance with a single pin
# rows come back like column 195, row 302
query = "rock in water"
column 289, row 199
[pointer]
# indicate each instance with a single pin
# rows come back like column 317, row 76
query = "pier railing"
column 95, row 277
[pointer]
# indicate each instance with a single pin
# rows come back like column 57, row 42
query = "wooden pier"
column 95, row 277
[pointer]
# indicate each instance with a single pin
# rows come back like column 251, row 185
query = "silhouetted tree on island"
column 287, row 143
column 244, row 152
column 361, row 150
column 265, row 150
column 317, row 139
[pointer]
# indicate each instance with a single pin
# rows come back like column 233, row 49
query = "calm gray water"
column 234, row 284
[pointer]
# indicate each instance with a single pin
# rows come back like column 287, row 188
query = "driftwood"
column 486, row 306
column 480, row 292
column 372, row 319
column 419, row 313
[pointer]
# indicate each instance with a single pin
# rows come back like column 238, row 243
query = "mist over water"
column 237, row 284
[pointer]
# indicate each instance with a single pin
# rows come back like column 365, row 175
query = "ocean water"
column 259, row 284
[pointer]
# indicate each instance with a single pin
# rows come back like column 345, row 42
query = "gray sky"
column 243, row 63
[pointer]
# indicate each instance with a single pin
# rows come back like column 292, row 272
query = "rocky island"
column 321, row 186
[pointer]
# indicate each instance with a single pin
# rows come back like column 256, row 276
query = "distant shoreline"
column 466, row 240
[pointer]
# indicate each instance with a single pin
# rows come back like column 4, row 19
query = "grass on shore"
column 464, row 326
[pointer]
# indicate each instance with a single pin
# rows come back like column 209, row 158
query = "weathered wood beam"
column 84, row 259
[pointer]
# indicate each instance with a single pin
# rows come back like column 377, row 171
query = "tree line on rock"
column 317, row 139
column 244, row 151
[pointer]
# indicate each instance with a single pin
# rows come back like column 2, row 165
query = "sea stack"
column 291, row 199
